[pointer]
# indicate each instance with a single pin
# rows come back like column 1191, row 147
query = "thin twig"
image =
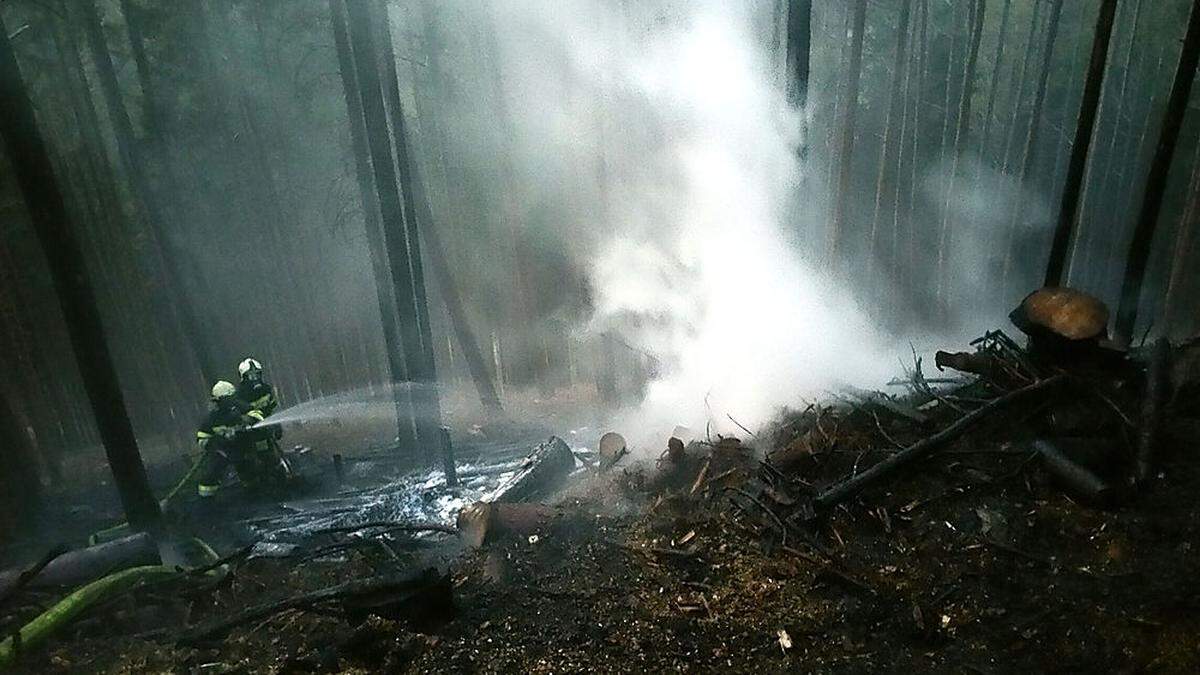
column 743, row 428
column 764, row 507
column 883, row 433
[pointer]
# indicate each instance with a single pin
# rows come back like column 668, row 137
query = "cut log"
column 543, row 472
column 484, row 522
column 611, row 449
column 1076, row 478
column 976, row 363
column 86, row 564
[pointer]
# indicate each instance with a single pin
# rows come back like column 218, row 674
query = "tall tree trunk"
column 799, row 49
column 1087, row 247
column 918, row 104
column 1088, row 106
column 31, row 164
column 518, row 348
column 422, row 224
column 135, row 166
column 1182, row 248
column 1156, row 181
column 846, row 143
column 476, row 364
column 947, row 127
column 394, row 347
column 1017, row 87
column 961, row 131
column 1029, row 154
column 893, row 260
column 20, row 484
column 362, row 41
column 895, row 100
column 426, row 399
column 151, row 106
column 997, row 58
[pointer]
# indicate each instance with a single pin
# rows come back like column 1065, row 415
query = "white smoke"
column 690, row 228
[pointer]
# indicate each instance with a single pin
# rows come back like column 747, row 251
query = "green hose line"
column 209, row 554
column 122, row 528
column 183, row 482
column 115, row 532
column 38, row 630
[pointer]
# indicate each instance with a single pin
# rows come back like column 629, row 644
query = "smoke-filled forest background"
column 638, row 177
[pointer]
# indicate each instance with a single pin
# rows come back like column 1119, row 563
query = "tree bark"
column 846, row 141
column 388, row 307
column 1087, row 246
column 1031, row 137
column 1085, row 125
column 994, row 85
column 1017, row 87
column 894, row 103
column 918, row 104
column 799, row 48
column 362, row 41
column 135, row 165
column 1156, row 181
column 20, row 484
column 31, row 164
column 961, row 131
column 476, row 365
column 426, row 398
column 900, row 274
column 1182, row 248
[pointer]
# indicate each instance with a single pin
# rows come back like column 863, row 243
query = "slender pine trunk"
column 962, row 130
column 985, row 136
column 889, row 149
column 1182, row 247
column 1156, row 181
column 1086, row 249
column 388, row 306
column 846, row 143
column 1017, row 87
column 1029, row 154
column 31, row 164
column 1088, row 106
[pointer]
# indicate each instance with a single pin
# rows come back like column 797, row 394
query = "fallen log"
column 28, row 575
column 543, row 471
column 1158, row 371
column 85, row 564
column 415, row 597
column 1076, row 478
column 484, row 522
column 839, row 492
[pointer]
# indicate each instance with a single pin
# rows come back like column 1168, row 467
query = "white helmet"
column 222, row 390
column 247, row 365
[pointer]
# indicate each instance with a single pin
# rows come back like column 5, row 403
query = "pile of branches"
column 1093, row 424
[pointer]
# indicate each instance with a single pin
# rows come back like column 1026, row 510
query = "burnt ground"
column 972, row 560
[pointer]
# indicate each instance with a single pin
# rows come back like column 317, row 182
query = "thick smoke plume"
column 672, row 117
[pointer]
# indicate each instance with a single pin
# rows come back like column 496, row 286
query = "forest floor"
column 971, row 560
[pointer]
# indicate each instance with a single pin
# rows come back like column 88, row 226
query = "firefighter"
column 259, row 398
column 256, row 393
column 218, row 437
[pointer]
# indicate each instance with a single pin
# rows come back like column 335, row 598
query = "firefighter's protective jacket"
column 258, row 396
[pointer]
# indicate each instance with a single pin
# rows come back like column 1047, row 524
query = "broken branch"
column 849, row 487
